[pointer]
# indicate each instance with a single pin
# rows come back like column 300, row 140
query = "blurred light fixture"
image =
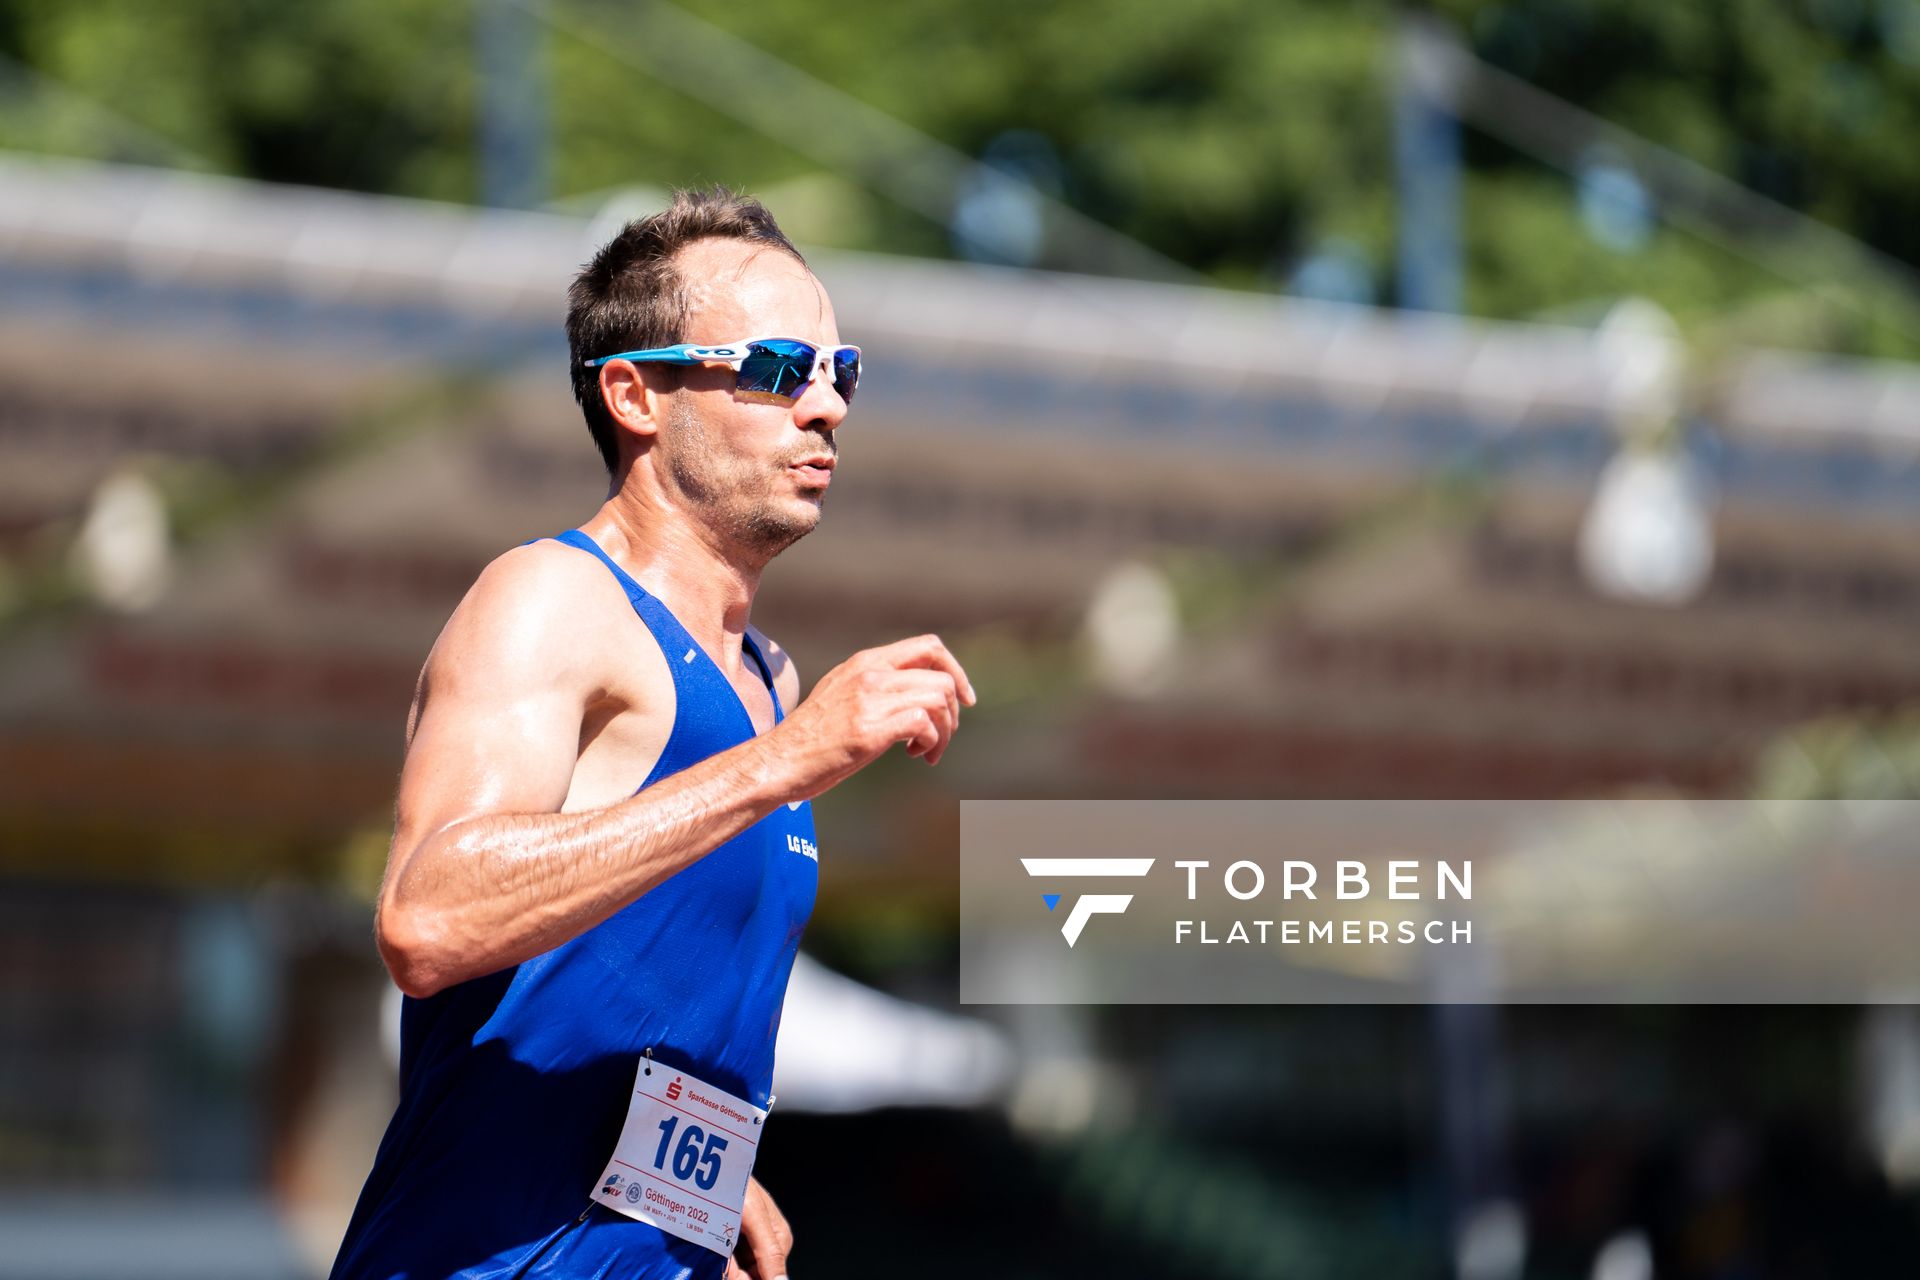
column 1336, row 271
column 1640, row 346
column 1626, row 1256
column 999, row 212
column 1615, row 206
column 123, row 553
column 1133, row 629
column 1648, row 535
column 1492, row 1244
column 998, row 219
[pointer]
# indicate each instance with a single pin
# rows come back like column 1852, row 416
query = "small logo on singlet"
column 795, row 804
column 803, row 846
column 689, row 657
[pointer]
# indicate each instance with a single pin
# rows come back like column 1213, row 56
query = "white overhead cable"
column 1687, row 193
column 123, row 136
column 789, row 105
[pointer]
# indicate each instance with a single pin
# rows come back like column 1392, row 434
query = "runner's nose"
column 820, row 407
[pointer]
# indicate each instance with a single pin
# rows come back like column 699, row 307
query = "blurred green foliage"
column 1842, row 757
column 1245, row 138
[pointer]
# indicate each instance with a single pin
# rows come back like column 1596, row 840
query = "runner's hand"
column 765, row 1239
column 910, row 691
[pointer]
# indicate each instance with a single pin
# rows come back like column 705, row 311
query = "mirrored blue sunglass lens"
column 846, row 373
column 776, row 368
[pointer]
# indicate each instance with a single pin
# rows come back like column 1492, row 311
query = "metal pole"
column 513, row 106
column 1426, row 152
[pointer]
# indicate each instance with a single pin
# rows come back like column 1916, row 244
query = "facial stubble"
column 736, row 497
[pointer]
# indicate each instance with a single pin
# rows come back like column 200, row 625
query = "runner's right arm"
column 486, row 872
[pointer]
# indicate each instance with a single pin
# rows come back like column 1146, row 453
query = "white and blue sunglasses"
column 778, row 368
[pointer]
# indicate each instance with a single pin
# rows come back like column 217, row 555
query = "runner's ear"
column 635, row 403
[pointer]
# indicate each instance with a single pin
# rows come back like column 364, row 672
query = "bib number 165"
column 696, row 1156
column 683, row 1157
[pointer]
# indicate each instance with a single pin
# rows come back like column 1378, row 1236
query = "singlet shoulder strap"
column 766, row 674
column 647, row 604
column 577, row 538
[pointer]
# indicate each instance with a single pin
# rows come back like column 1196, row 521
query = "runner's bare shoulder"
column 537, row 618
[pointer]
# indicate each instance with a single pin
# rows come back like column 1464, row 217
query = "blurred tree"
column 1247, row 139
column 371, row 95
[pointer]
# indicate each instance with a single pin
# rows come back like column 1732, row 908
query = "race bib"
column 683, row 1157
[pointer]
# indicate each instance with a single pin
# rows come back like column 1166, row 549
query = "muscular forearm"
column 491, row 892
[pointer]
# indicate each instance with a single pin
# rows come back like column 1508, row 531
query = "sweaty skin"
column 546, row 699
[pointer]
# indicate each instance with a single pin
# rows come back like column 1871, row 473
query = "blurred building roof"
column 354, row 402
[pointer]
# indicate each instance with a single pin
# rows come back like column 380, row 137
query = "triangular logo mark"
column 1051, row 899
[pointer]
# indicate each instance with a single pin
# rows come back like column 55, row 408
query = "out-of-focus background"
column 1266, row 399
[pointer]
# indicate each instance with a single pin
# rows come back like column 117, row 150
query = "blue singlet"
column 513, row 1087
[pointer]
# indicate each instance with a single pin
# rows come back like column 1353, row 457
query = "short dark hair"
column 631, row 296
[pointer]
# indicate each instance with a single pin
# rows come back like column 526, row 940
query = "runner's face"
column 756, row 472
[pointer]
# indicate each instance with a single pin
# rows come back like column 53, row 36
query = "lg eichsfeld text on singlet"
column 514, row 1086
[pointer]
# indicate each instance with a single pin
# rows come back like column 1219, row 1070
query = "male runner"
column 563, row 937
